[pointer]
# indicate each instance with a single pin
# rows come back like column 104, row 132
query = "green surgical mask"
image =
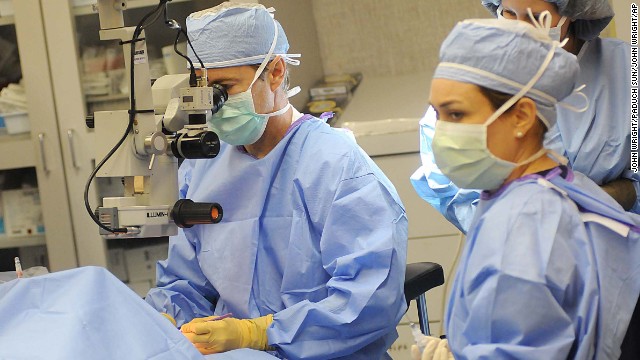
column 237, row 122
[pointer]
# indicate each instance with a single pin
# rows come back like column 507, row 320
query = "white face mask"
column 461, row 153
column 554, row 32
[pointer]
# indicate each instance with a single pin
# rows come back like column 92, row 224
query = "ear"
column 524, row 117
column 277, row 69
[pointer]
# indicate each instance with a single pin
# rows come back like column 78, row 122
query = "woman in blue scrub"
column 597, row 142
column 550, row 269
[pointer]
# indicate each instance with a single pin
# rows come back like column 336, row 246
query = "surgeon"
column 550, row 269
column 309, row 258
column 597, row 141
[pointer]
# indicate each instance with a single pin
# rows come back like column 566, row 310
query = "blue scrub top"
column 313, row 233
column 550, row 270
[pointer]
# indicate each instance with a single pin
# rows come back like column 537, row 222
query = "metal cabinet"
column 41, row 148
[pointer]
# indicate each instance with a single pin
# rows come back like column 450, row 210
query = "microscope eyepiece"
column 220, row 95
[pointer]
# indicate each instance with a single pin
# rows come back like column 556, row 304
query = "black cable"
column 192, row 71
column 136, row 34
column 132, row 114
column 157, row 16
column 192, row 49
column 174, row 25
column 192, row 75
column 93, row 175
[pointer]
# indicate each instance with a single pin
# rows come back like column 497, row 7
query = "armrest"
column 421, row 277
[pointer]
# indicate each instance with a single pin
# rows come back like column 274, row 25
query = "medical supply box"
column 22, row 212
column 15, row 123
column 332, row 94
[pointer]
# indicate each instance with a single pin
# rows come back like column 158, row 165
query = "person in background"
column 550, row 268
column 310, row 255
column 596, row 141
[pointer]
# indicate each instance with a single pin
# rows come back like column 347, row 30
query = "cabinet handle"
column 42, row 155
column 71, row 149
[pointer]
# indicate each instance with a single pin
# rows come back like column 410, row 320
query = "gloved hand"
column 170, row 318
column 211, row 337
column 434, row 349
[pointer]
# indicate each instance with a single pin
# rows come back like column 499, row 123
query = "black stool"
column 420, row 278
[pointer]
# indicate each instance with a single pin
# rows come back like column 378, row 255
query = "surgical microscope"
column 164, row 123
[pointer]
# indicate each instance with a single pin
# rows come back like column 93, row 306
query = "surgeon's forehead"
column 230, row 74
column 446, row 92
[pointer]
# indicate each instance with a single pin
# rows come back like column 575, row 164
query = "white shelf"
column 18, row 152
column 106, row 98
column 6, row 20
column 21, row 241
column 131, row 4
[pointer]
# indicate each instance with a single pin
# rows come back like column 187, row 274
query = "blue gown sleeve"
column 183, row 299
column 529, row 290
column 363, row 249
column 456, row 205
column 514, row 318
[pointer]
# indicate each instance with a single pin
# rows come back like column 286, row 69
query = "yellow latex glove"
column 212, row 336
column 434, row 349
column 170, row 318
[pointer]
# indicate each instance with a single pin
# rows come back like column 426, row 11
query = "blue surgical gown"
column 313, row 233
column 596, row 142
column 542, row 277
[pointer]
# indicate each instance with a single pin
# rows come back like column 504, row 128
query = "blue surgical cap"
column 504, row 56
column 589, row 17
column 233, row 34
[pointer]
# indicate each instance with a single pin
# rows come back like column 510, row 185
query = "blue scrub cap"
column 233, row 34
column 589, row 17
column 505, row 56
